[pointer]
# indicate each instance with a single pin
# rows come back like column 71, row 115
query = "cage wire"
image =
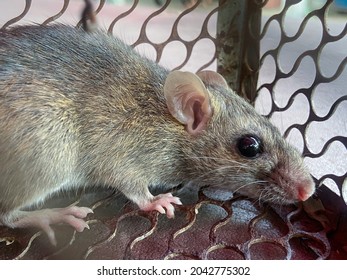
column 266, row 57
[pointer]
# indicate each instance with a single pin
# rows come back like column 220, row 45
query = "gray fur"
column 80, row 109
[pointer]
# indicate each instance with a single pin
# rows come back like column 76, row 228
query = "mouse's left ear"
column 188, row 100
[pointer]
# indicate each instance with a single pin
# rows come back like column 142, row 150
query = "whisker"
column 236, row 176
column 261, row 195
column 222, row 160
column 260, row 182
column 216, row 170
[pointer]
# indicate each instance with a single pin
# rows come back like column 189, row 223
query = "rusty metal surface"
column 209, row 225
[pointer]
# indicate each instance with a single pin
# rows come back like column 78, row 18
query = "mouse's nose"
column 305, row 190
column 303, row 194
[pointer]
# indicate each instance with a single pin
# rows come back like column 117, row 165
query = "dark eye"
column 249, row 146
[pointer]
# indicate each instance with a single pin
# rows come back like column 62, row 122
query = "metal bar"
column 238, row 37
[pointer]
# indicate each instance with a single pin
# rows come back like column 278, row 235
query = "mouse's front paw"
column 162, row 202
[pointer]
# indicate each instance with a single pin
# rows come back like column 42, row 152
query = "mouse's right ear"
column 188, row 100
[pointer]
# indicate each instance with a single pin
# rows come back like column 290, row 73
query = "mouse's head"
column 229, row 145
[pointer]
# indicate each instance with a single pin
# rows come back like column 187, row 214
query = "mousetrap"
column 261, row 49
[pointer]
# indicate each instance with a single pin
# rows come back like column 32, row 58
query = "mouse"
column 82, row 109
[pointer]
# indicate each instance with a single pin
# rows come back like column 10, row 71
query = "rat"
column 81, row 109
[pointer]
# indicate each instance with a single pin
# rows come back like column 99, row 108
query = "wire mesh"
column 312, row 58
column 130, row 233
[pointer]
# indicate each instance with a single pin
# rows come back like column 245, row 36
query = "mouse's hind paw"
column 163, row 204
column 43, row 219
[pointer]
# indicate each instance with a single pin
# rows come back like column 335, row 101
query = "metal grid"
column 292, row 234
column 309, row 93
column 210, row 225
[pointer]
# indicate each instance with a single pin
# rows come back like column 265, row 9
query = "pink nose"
column 305, row 191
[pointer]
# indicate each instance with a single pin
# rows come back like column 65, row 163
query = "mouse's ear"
column 188, row 100
column 213, row 78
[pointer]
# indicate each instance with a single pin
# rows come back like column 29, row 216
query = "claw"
column 162, row 202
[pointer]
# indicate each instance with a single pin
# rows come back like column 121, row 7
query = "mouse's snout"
column 294, row 184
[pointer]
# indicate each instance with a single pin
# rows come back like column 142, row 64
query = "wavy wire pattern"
column 319, row 78
column 228, row 234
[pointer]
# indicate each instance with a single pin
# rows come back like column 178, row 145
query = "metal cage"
column 283, row 65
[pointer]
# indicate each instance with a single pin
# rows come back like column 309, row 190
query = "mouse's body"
column 80, row 109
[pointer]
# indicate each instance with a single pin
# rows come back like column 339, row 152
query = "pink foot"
column 72, row 215
column 162, row 202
